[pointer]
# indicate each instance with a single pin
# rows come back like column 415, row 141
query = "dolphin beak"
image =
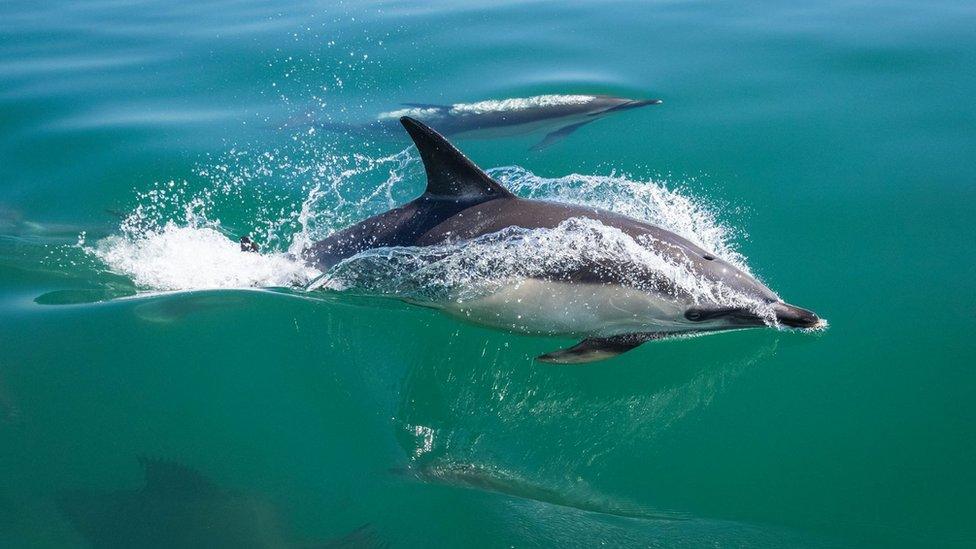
column 632, row 104
column 643, row 102
column 795, row 317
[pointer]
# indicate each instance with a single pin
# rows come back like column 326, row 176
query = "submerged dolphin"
column 560, row 114
column 615, row 305
column 179, row 507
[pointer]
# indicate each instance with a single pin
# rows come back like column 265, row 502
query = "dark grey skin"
column 463, row 202
column 560, row 120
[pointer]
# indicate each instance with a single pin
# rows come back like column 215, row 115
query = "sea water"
column 826, row 148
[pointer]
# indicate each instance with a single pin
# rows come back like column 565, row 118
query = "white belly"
column 559, row 308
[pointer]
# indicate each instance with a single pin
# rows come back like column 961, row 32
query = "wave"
column 190, row 258
column 476, row 268
column 184, row 236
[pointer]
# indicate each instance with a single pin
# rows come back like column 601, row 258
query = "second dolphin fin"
column 598, row 348
column 556, row 136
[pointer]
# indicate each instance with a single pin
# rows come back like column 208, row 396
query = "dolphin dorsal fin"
column 450, row 175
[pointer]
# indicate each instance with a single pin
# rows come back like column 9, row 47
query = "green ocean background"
column 831, row 144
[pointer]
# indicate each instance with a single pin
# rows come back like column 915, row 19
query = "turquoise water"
column 830, row 147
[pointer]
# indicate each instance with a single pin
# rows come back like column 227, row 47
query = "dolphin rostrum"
column 560, row 114
column 613, row 305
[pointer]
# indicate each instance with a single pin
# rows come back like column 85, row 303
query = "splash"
column 519, row 103
column 489, row 106
column 458, row 272
column 670, row 207
column 184, row 235
column 189, row 258
column 414, row 112
column 472, row 269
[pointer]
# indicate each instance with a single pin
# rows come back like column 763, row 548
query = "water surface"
column 827, row 146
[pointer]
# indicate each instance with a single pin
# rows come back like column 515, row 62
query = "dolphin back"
column 454, row 184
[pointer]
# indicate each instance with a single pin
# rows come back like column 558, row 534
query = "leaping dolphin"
column 560, row 114
column 615, row 306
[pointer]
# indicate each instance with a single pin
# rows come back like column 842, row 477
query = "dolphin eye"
column 708, row 257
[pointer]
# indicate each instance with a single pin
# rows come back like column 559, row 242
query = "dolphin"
column 178, row 507
column 561, row 115
column 614, row 306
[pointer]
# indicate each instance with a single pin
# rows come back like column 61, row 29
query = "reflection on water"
column 494, row 479
column 540, row 436
column 477, row 426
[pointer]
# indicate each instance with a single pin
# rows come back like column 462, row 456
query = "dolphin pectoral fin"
column 599, row 348
column 588, row 350
column 558, row 135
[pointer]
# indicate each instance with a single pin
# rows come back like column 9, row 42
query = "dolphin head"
column 715, row 316
column 641, row 103
column 616, row 104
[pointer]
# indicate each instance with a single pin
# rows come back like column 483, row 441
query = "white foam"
column 476, row 268
column 489, row 106
column 416, row 112
column 519, row 103
column 174, row 241
column 195, row 258
column 652, row 202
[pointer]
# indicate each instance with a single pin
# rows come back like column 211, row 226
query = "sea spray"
column 197, row 257
column 481, row 266
column 183, row 235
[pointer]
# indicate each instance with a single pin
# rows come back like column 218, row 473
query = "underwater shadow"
column 178, row 507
